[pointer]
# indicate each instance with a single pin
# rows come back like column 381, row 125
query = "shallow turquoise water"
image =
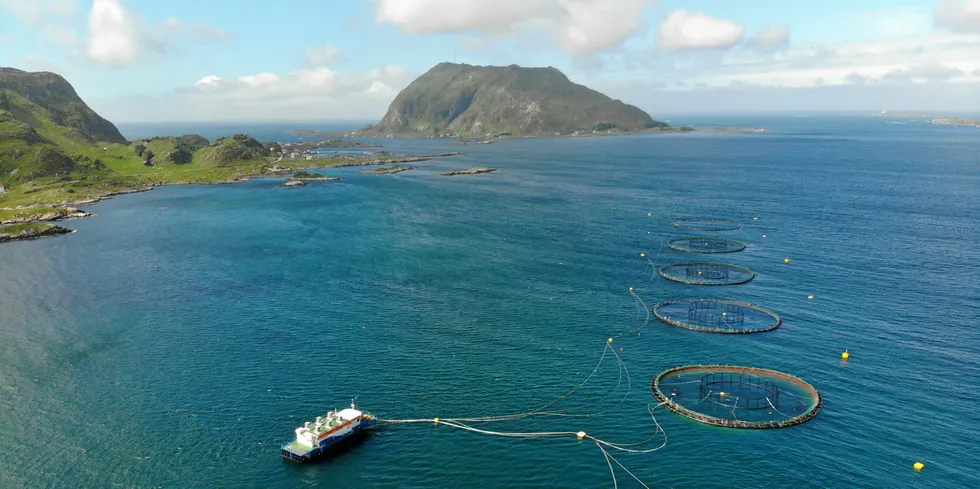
column 181, row 334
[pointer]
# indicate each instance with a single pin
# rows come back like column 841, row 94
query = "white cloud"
column 113, row 38
column 579, row 26
column 34, row 12
column 694, row 30
column 260, row 79
column 771, row 36
column 208, row 81
column 119, row 36
column 323, row 55
column 592, row 26
column 935, row 58
column 316, row 93
column 958, row 15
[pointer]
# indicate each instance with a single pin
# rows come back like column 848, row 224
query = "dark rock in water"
column 472, row 171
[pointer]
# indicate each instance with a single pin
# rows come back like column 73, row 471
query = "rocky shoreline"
column 385, row 171
column 29, row 231
column 472, row 171
column 466, row 142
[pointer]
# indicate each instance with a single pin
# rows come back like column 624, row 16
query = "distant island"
column 935, row 119
column 392, row 169
column 312, row 177
column 472, row 171
column 465, row 142
column 496, row 101
column 956, row 121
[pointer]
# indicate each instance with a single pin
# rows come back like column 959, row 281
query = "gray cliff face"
column 497, row 100
column 55, row 95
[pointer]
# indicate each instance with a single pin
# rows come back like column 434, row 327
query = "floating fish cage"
column 707, row 273
column 707, row 224
column 736, row 396
column 717, row 316
column 706, row 244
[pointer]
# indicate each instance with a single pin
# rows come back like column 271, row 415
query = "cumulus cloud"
column 771, row 37
column 306, row 94
column 958, row 15
column 35, row 12
column 113, row 38
column 208, row 81
column 937, row 58
column 694, row 30
column 579, row 26
column 919, row 74
column 323, row 55
column 118, row 35
column 260, row 79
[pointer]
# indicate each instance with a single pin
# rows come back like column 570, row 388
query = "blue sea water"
column 181, row 334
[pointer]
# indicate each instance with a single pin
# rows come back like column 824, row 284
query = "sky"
column 306, row 60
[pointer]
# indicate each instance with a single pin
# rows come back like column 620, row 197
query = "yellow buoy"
column 643, row 255
column 755, row 218
column 609, row 340
column 845, row 355
column 786, row 260
column 648, row 232
column 919, row 466
column 436, row 421
column 631, row 289
column 722, row 394
column 649, row 214
column 580, row 435
column 809, row 297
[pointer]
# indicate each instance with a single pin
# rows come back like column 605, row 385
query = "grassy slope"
column 476, row 100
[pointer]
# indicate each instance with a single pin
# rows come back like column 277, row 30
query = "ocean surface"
column 182, row 334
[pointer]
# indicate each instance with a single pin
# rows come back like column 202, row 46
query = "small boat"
column 313, row 439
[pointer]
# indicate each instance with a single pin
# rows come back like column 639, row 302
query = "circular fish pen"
column 737, row 397
column 706, row 244
column 701, row 273
column 717, row 316
column 707, row 224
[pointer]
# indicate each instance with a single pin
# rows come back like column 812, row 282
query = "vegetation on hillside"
column 461, row 99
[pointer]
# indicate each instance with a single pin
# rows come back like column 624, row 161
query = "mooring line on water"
column 461, row 423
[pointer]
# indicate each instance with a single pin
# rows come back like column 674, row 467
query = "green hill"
column 494, row 100
column 232, row 150
column 54, row 148
column 55, row 100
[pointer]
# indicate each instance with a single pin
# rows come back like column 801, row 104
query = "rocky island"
column 392, row 169
column 465, row 142
column 494, row 101
column 302, row 176
column 472, row 171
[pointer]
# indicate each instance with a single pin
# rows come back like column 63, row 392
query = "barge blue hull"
column 291, row 451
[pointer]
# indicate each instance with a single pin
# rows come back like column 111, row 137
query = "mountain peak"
column 504, row 100
column 57, row 99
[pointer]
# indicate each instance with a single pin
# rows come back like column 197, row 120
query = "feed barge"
column 314, row 439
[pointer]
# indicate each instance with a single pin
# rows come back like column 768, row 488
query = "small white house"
column 1, row 189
